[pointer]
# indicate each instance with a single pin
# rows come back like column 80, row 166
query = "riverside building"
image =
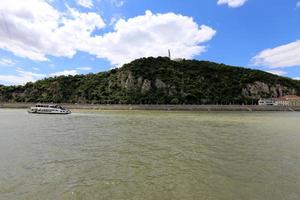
column 289, row 100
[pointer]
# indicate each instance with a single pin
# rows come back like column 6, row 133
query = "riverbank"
column 160, row 107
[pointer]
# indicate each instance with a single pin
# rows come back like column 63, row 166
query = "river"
column 151, row 155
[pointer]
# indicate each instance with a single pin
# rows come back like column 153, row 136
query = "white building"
column 281, row 101
column 289, row 100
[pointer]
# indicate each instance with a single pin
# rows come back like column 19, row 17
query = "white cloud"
column 232, row 3
column 277, row 72
column 84, row 68
column 6, row 62
column 113, row 20
column 65, row 73
column 298, row 4
column 20, row 78
column 85, row 3
column 34, row 29
column 118, row 3
column 287, row 55
column 297, row 78
column 151, row 35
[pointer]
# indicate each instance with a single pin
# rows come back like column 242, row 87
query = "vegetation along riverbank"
column 158, row 81
column 161, row 107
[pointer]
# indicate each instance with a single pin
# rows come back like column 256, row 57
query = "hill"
column 157, row 81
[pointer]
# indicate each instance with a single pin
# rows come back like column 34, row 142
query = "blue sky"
column 42, row 38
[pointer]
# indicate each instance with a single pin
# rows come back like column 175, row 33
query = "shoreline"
column 161, row 107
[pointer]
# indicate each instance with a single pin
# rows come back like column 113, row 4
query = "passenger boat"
column 48, row 109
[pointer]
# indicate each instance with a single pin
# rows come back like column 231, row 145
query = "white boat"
column 266, row 102
column 48, row 109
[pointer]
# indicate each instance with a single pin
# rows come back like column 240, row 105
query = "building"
column 289, row 100
column 178, row 59
column 293, row 100
column 281, row 101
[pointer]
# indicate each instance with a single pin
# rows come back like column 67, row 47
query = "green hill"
column 157, row 81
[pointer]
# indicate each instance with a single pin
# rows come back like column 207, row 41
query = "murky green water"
column 150, row 155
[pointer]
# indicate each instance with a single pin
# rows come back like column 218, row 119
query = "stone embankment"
column 161, row 107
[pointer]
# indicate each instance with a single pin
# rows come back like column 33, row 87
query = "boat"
column 266, row 102
column 48, row 109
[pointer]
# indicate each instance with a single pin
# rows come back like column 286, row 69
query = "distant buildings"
column 282, row 101
column 289, row 100
column 178, row 59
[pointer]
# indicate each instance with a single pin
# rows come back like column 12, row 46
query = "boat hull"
column 48, row 113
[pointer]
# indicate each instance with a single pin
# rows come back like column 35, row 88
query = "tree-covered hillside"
column 157, row 81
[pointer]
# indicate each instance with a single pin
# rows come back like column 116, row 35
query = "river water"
column 150, row 155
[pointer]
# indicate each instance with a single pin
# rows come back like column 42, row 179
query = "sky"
column 46, row 38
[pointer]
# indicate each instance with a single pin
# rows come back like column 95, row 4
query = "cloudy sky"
column 42, row 38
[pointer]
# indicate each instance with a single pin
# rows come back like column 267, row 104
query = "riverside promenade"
column 161, row 107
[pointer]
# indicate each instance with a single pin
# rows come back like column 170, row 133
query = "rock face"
column 146, row 86
column 260, row 89
column 255, row 90
column 129, row 84
column 160, row 84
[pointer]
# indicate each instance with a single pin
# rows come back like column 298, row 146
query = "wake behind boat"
column 48, row 109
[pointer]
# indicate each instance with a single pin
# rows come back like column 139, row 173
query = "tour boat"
column 48, row 109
